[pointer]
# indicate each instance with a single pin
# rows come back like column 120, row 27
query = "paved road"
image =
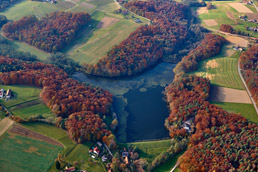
column 247, row 89
column 255, row 7
column 177, row 163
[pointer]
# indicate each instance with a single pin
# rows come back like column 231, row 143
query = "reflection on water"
column 138, row 102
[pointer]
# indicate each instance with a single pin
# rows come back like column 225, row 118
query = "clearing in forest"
column 240, row 7
column 222, row 69
column 210, row 22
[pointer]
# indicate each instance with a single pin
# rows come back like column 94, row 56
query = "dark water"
column 147, row 113
column 138, row 102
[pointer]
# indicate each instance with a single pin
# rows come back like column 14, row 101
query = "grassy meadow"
column 72, row 151
column 25, row 101
column 22, row 154
column 222, row 69
column 246, row 110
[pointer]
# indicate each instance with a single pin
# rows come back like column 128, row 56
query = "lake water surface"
column 138, row 102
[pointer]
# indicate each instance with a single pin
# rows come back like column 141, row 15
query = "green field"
column 25, row 101
column 221, row 69
column 151, row 149
column 22, row 154
column 72, row 151
column 96, row 42
column 246, row 110
column 225, row 14
column 26, row 7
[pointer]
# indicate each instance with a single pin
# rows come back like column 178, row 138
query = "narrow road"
column 176, row 165
column 255, row 7
column 247, row 89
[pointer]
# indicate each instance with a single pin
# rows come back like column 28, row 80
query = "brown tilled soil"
column 210, row 22
column 237, row 41
column 222, row 94
column 240, row 7
column 107, row 21
column 202, row 10
column 19, row 130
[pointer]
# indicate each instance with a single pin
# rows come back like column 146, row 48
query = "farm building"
column 8, row 94
column 1, row 93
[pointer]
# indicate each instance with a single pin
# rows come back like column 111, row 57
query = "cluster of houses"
column 7, row 95
column 238, row 48
column 247, row 2
column 255, row 29
column 100, row 150
column 245, row 18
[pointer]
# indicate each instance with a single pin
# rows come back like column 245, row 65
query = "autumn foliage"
column 210, row 46
column 63, row 95
column 147, row 44
column 51, row 33
column 86, row 126
column 219, row 140
column 249, row 66
column 226, row 28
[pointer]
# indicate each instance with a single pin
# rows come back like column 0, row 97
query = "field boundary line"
column 247, row 89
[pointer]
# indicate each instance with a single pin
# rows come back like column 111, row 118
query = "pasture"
column 23, row 154
column 101, row 37
column 25, row 101
column 246, row 110
column 72, row 151
column 222, row 69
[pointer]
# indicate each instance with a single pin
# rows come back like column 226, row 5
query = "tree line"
column 51, row 33
column 249, row 66
column 147, row 44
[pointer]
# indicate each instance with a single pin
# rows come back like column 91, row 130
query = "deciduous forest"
column 63, row 95
column 249, row 66
column 51, row 33
column 219, row 140
column 147, row 45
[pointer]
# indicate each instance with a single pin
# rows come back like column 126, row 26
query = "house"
column 99, row 144
column 1, row 93
column 137, row 20
column 8, row 93
column 124, row 154
column 103, row 158
column 96, row 150
column 69, row 169
column 187, row 125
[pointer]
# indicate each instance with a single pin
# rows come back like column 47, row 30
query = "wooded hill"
column 51, row 33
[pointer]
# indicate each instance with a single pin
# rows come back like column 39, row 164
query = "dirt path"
column 223, row 94
column 5, row 124
column 19, row 130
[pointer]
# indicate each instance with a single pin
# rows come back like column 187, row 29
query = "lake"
column 138, row 101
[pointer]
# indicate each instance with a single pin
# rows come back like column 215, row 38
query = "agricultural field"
column 72, row 152
column 106, row 30
column 15, row 151
column 246, row 110
column 228, row 12
column 222, row 69
column 151, row 149
column 25, row 101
